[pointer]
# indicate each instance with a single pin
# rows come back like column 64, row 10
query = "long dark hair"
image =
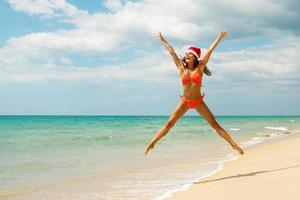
column 195, row 64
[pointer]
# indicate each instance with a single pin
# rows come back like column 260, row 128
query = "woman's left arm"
column 206, row 57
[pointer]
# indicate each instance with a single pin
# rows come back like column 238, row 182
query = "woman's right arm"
column 171, row 51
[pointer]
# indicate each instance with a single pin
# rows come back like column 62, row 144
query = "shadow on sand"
column 247, row 174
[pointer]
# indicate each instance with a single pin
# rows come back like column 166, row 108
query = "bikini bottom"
column 191, row 103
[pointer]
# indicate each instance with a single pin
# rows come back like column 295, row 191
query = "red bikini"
column 196, row 78
column 186, row 79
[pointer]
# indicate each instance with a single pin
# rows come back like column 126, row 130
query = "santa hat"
column 194, row 50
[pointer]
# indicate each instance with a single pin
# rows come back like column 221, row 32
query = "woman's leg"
column 179, row 111
column 203, row 110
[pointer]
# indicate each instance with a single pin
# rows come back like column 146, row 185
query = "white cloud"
column 195, row 21
column 66, row 41
column 138, row 22
column 268, row 68
column 146, row 18
column 113, row 5
column 148, row 70
column 264, row 68
column 46, row 8
column 276, row 59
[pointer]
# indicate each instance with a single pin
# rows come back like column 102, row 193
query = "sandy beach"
column 266, row 171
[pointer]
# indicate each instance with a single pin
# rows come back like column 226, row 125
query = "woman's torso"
column 193, row 82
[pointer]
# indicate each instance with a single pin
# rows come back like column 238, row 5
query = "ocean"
column 101, row 157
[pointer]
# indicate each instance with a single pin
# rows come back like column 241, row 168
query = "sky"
column 72, row 57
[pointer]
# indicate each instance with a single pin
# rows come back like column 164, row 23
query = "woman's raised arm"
column 206, row 57
column 171, row 51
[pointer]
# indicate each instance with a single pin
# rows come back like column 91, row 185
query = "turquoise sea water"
column 101, row 157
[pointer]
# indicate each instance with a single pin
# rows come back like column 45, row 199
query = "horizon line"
column 132, row 115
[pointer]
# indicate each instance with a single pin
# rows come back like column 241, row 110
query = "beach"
column 267, row 171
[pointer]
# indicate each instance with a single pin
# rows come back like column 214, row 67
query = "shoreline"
column 225, row 182
column 187, row 186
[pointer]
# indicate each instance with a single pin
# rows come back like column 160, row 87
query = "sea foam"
column 235, row 129
column 279, row 128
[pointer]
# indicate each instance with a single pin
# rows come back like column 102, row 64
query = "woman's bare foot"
column 236, row 147
column 149, row 146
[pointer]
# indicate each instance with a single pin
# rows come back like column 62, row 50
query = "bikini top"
column 196, row 78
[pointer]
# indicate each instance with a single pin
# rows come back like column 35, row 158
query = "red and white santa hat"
column 194, row 50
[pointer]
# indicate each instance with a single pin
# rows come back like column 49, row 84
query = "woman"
column 191, row 69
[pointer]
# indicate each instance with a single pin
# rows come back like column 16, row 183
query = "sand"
column 269, row 171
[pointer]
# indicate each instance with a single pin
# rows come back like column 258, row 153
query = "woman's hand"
column 223, row 34
column 160, row 37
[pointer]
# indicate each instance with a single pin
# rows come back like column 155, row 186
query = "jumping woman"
column 191, row 69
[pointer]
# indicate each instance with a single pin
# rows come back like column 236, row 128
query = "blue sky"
column 71, row 57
